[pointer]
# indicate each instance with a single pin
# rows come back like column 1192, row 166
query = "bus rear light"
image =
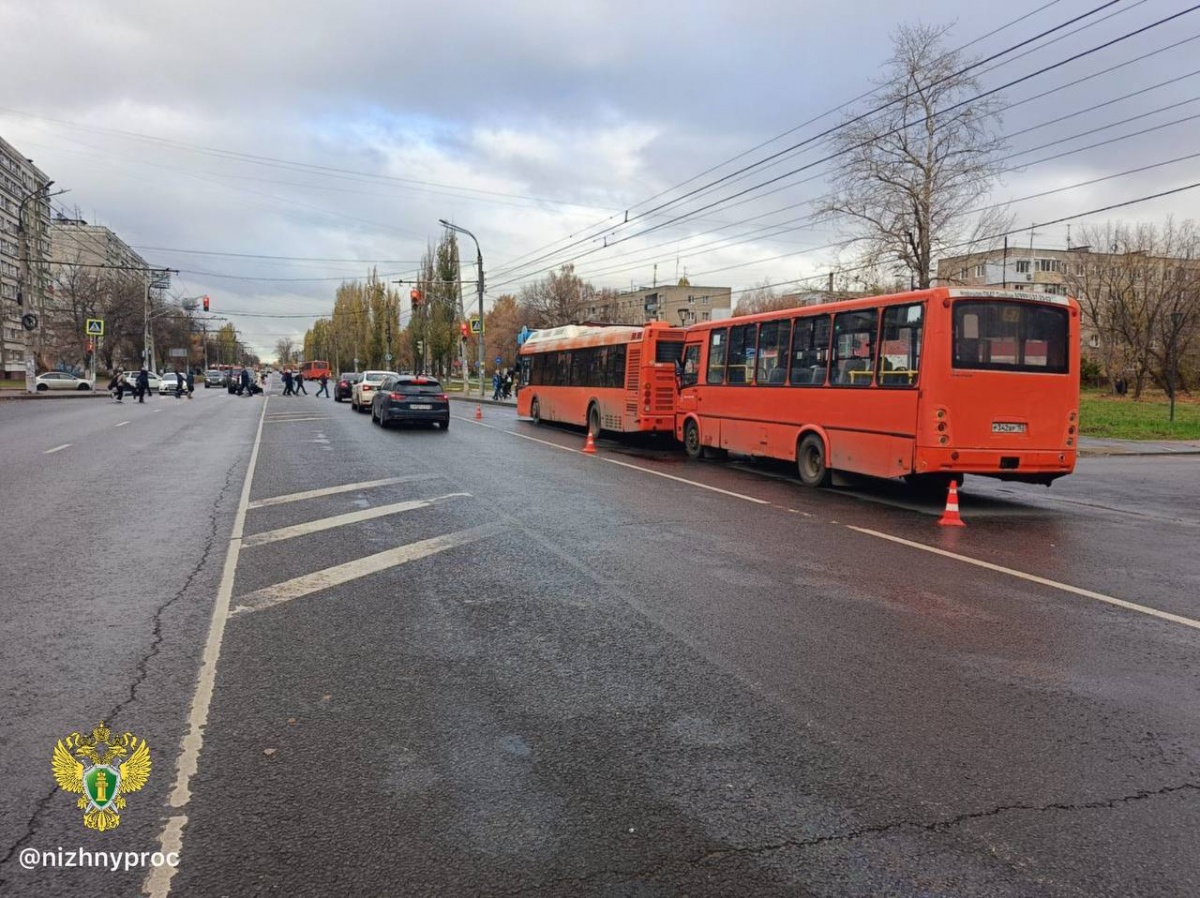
column 954, row 456
column 941, row 413
column 943, row 439
column 1070, row 442
column 1071, row 429
column 942, row 427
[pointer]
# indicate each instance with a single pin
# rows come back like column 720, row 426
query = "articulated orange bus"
column 930, row 386
column 607, row 377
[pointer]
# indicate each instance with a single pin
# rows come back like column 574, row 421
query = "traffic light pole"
column 479, row 262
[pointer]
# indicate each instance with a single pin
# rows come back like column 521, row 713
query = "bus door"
column 687, row 377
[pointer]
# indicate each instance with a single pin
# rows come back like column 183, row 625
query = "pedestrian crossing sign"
column 476, row 324
column 95, row 327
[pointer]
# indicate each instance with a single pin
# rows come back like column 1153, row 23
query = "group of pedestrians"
column 502, row 384
column 185, row 384
column 293, row 384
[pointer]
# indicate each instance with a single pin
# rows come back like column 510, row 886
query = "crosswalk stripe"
column 345, row 488
column 341, row 520
column 298, row 587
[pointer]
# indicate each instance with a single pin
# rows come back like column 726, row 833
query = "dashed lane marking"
column 270, row 596
column 1033, row 578
column 342, row 520
column 282, row 420
column 122, row 424
column 346, row 488
column 57, row 449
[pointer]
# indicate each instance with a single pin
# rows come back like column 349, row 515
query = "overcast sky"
column 337, row 134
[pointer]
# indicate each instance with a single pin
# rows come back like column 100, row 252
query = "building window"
column 1023, row 267
column 980, row 271
column 1055, row 265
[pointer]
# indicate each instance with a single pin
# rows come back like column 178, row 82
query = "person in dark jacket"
column 191, row 383
column 324, row 391
column 143, row 385
column 180, row 383
column 117, row 385
column 300, row 383
column 287, row 382
column 245, row 383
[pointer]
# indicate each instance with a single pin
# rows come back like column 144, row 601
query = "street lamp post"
column 1176, row 321
column 23, row 274
column 479, row 262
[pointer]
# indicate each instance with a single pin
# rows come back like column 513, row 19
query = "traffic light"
column 206, row 303
column 464, row 329
column 415, row 295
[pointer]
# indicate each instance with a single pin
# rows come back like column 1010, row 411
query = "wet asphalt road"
column 621, row 675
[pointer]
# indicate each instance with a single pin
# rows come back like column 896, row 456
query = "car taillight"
column 396, row 396
column 444, row 398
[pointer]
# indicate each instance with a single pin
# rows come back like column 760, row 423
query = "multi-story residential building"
column 1038, row 269
column 75, row 242
column 24, row 253
column 677, row 304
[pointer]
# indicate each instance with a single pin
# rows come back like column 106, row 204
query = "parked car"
column 131, row 381
column 345, row 384
column 360, row 393
column 60, row 380
column 214, row 377
column 408, row 399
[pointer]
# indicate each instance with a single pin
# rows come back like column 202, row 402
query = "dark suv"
column 345, row 385
column 405, row 399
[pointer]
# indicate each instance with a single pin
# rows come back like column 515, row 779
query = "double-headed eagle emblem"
column 89, row 765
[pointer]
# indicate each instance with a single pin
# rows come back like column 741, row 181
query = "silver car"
column 60, row 380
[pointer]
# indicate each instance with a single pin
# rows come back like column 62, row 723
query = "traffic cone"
column 589, row 448
column 478, row 412
column 950, row 517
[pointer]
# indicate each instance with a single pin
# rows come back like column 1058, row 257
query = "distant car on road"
column 166, row 383
column 360, row 393
column 131, row 380
column 405, row 399
column 60, row 380
column 345, row 385
column 214, row 377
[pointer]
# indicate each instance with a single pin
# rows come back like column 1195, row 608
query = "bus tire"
column 593, row 420
column 810, row 462
column 691, row 439
column 535, row 411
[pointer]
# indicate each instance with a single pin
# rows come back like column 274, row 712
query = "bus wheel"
column 691, row 439
column 593, row 420
column 535, row 411
column 810, row 462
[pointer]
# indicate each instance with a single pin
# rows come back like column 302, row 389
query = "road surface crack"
column 143, row 666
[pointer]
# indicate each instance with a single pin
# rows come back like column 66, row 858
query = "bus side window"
column 855, row 347
column 810, row 350
column 718, row 342
column 900, row 346
column 742, row 347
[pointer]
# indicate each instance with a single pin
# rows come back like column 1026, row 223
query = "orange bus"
column 608, row 377
column 315, row 370
column 930, row 386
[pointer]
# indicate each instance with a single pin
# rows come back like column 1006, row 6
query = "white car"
column 166, row 383
column 362, row 392
column 131, row 380
column 60, row 380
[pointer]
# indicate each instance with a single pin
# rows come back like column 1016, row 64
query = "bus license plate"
column 421, row 408
column 1007, row 427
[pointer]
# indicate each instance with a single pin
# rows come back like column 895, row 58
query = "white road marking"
column 307, row 418
column 347, row 488
column 1033, row 578
column 57, row 449
column 122, row 424
column 270, row 596
column 158, row 882
column 341, row 520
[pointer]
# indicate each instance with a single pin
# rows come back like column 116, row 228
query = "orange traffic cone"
column 478, row 412
column 950, row 517
column 589, row 448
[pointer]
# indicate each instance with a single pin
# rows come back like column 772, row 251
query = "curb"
column 16, row 395
column 485, row 401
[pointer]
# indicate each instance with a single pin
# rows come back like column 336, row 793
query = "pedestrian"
column 191, row 383
column 143, row 385
column 324, row 381
column 300, row 383
column 508, row 384
column 245, row 383
column 117, row 384
column 180, row 383
column 496, row 385
column 287, row 382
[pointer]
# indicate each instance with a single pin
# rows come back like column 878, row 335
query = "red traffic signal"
column 464, row 329
column 206, row 303
column 415, row 296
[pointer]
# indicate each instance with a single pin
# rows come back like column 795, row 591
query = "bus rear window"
column 1010, row 336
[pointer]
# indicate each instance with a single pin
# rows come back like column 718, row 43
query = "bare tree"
column 285, row 349
column 909, row 175
column 561, row 298
column 1139, row 289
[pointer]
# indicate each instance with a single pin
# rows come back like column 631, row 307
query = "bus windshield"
column 1003, row 335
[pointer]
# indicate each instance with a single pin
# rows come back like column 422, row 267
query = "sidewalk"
column 487, row 400
column 51, row 394
column 1097, row 446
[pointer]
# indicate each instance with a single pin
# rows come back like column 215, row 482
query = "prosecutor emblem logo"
column 102, row 768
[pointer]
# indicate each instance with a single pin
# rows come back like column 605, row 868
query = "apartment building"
column 1037, row 269
column 23, row 207
column 75, row 242
column 678, row 304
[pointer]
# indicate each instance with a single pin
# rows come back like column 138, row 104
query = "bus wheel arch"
column 812, row 459
column 593, row 418
column 535, row 410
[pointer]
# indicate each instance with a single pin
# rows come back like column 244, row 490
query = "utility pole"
column 479, row 262
column 29, row 321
